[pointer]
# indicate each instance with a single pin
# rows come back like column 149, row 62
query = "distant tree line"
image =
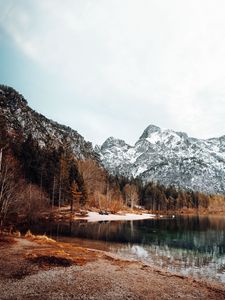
column 34, row 178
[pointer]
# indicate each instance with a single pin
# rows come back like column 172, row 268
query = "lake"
column 189, row 245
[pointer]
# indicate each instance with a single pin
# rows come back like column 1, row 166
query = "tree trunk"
column 53, row 193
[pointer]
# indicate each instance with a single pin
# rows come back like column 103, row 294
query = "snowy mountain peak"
column 113, row 142
column 149, row 131
column 155, row 135
column 169, row 157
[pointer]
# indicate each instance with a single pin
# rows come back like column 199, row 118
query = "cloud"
column 130, row 63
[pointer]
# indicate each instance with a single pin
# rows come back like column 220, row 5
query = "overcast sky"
column 112, row 67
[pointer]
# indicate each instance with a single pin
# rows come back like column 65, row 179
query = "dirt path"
column 27, row 272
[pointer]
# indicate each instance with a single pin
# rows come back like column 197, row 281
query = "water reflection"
column 190, row 245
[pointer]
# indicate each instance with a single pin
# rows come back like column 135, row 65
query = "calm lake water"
column 189, row 245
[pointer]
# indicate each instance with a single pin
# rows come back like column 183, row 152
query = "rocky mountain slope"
column 169, row 157
column 22, row 121
column 159, row 155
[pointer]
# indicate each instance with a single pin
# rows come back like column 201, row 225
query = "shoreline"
column 64, row 214
column 36, row 267
column 96, row 217
column 93, row 215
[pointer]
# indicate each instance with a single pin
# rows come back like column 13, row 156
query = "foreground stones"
column 40, row 268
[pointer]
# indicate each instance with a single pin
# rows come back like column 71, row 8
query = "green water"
column 188, row 245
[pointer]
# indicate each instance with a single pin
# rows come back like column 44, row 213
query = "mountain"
column 21, row 120
column 166, row 156
column 169, row 157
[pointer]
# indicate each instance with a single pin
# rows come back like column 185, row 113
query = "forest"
column 34, row 179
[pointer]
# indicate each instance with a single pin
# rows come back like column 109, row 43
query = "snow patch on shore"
column 96, row 217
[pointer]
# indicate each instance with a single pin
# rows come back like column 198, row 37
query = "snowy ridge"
column 169, row 157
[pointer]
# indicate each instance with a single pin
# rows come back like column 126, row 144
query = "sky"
column 111, row 68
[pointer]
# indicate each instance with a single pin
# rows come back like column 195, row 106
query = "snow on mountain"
column 169, row 157
column 162, row 155
column 21, row 120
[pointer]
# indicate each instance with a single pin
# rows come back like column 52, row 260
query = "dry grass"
column 6, row 240
column 38, row 238
column 51, row 260
column 48, row 252
column 105, row 278
column 55, row 257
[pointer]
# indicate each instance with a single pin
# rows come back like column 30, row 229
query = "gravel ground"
column 95, row 276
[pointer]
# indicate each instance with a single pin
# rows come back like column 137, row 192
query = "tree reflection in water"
column 187, row 244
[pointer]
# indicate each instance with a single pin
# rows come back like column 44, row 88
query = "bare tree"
column 1, row 159
column 131, row 194
column 31, row 202
column 74, row 198
column 8, row 186
column 94, row 177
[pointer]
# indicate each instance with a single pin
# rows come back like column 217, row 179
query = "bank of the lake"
column 39, row 268
column 188, row 245
column 96, row 217
column 64, row 214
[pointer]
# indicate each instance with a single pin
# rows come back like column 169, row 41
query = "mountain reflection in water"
column 190, row 245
